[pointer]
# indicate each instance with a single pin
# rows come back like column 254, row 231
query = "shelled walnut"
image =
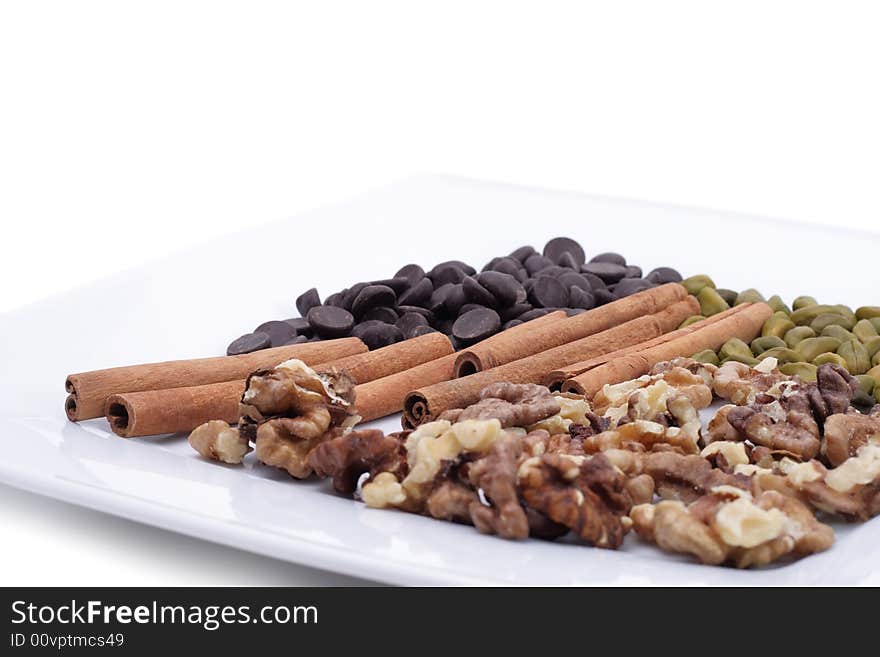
column 851, row 490
column 740, row 384
column 730, row 526
column 512, row 404
column 642, row 435
column 290, row 409
column 218, row 441
column 587, row 495
column 846, row 433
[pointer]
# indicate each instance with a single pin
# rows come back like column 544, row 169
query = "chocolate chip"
column 511, row 324
column 523, row 253
column 630, row 286
column 438, row 297
column 603, row 296
column 571, row 312
column 548, row 292
column 478, row 324
column 663, row 275
column 572, row 278
column 476, row 293
column 416, row 331
column 382, row 314
column 372, row 296
column 300, row 325
column 424, row 312
column 536, row 263
column 444, row 325
column 377, row 334
column 349, row 295
column 507, row 266
column 412, row 273
column 504, row 287
column 455, row 299
column 613, row 258
column 580, row 298
column 307, row 300
column 555, row 271
column 559, row 245
column 297, row 339
column 513, row 311
column 399, row 285
column 534, row 314
column 595, row 282
column 441, row 275
column 633, row 271
column 247, row 343
column 567, row 260
column 330, row 321
column 418, row 294
column 607, row 271
column 279, row 332
column 407, row 322
column 466, row 308
column 334, row 300
column 463, row 266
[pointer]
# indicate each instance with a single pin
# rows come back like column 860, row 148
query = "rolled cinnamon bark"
column 556, row 378
column 508, row 346
column 385, row 396
column 89, row 390
column 745, row 325
column 174, row 410
column 426, row 403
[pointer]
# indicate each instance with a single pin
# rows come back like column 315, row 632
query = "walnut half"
column 218, row 441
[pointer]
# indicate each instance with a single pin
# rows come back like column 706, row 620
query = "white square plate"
column 193, row 303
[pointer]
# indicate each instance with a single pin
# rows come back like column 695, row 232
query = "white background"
column 132, row 129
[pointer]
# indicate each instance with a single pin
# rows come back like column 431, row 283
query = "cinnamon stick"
column 745, row 325
column 425, row 403
column 173, row 410
column 520, row 342
column 386, row 396
column 89, row 390
column 556, row 378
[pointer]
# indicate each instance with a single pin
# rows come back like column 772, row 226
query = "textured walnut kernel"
column 775, row 427
column 719, row 427
column 741, row 384
column 513, row 404
column 832, row 392
column 743, row 524
column 572, row 410
column 291, row 408
column 618, row 394
column 346, row 458
column 726, row 455
column 383, row 490
column 730, row 526
column 645, row 435
column 450, row 500
column 686, row 477
column 706, row 371
column 217, row 440
column 846, row 433
column 588, row 496
column 496, row 476
column 851, row 490
column 859, row 470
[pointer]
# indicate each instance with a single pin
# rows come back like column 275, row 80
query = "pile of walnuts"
column 523, row 462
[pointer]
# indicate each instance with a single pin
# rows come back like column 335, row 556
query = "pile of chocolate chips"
column 456, row 300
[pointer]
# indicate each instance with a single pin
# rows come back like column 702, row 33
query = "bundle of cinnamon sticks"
column 422, row 376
